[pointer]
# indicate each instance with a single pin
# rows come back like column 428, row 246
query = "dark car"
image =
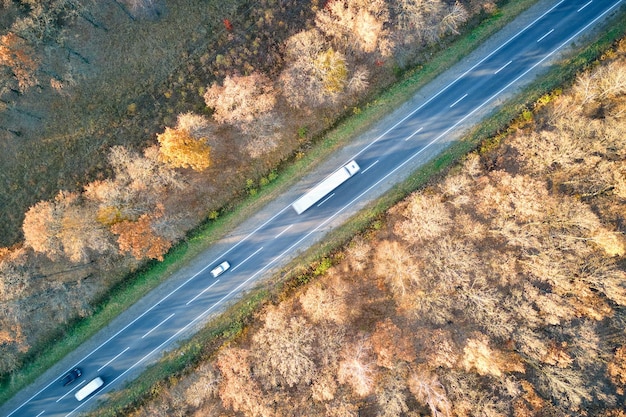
column 71, row 376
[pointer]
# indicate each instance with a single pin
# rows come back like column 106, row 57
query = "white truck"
column 325, row 187
column 91, row 387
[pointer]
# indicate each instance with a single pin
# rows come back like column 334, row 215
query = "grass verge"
column 203, row 344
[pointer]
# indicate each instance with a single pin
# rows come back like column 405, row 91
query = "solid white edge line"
column 325, row 200
column 457, row 102
column 503, row 67
column 414, row 133
column 157, row 326
column 249, row 256
column 585, row 5
column 115, row 357
column 284, row 230
column 543, row 37
column 366, row 169
column 70, row 391
column 202, row 292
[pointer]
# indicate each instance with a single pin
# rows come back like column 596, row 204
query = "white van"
column 89, row 389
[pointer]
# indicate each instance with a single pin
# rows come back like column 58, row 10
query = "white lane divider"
column 70, row 391
column 202, row 292
column 245, row 260
column 585, row 5
column 40, row 413
column 540, row 39
column 116, row 356
column 457, row 102
column 414, row 133
column 284, row 230
column 365, row 170
column 155, row 327
column 503, row 67
column 325, row 200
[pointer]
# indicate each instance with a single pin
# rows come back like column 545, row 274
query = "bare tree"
column 428, row 390
column 240, row 100
column 357, row 367
column 284, row 350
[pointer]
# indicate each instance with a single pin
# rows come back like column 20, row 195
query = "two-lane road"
column 400, row 147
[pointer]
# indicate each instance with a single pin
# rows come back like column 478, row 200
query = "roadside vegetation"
column 141, row 161
column 496, row 289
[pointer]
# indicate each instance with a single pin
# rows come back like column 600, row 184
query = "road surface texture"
column 408, row 137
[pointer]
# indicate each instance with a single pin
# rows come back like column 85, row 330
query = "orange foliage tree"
column 18, row 58
column 139, row 238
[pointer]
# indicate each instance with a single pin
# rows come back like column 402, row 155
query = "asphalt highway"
column 400, row 146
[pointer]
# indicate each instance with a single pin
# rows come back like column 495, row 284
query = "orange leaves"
column 18, row 56
column 138, row 237
column 617, row 369
column 391, row 345
column 485, row 360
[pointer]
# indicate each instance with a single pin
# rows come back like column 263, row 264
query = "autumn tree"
column 419, row 19
column 284, row 350
column 392, row 396
column 240, row 100
column 140, row 182
column 14, row 277
column 237, row 389
column 326, row 302
column 316, row 74
column 18, row 60
column 357, row 367
column 139, row 237
column 427, row 217
column 142, row 9
column 45, row 21
column 453, row 18
column 390, row 345
column 428, row 390
column 485, row 360
column 179, row 149
column 65, row 226
column 397, row 266
column 617, row 369
column 358, row 26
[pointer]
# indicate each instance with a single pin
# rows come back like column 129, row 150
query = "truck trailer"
column 325, row 187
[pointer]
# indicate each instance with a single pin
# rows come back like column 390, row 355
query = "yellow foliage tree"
column 179, row 149
column 333, row 70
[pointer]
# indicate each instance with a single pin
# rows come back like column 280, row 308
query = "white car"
column 220, row 269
